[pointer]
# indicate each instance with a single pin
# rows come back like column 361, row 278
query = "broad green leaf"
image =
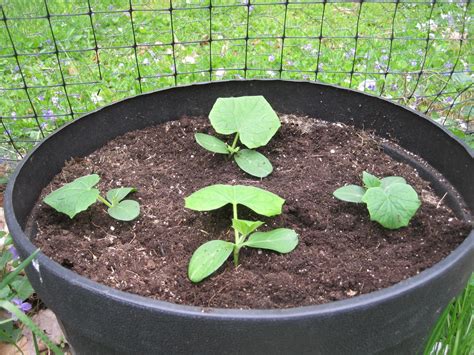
column 389, row 180
column 208, row 258
column 126, row 210
column 116, row 195
column 5, row 258
column 370, row 180
column 215, row 196
column 13, row 274
column 4, row 292
column 282, row 240
column 350, row 193
column 392, row 207
column 251, row 117
column 10, row 307
column 9, row 333
column 245, row 227
column 211, row 143
column 22, row 287
column 74, row 197
column 253, row 163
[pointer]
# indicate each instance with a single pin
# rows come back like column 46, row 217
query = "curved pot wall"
column 98, row 319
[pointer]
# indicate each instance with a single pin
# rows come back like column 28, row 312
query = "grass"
column 95, row 78
column 66, row 76
column 454, row 331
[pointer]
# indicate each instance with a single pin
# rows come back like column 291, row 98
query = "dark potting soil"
column 341, row 253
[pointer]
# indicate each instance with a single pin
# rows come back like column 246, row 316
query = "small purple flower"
column 448, row 65
column 350, row 53
column 449, row 99
column 55, row 100
column 44, row 125
column 271, row 58
column 413, row 63
column 251, row 8
column 16, row 69
column 41, row 97
column 290, row 63
column 48, row 41
column 320, row 66
column 49, row 114
column 420, row 52
column 384, row 57
column 305, row 77
column 394, row 87
column 24, row 306
column 7, row 132
column 14, row 253
column 307, row 47
column 111, row 7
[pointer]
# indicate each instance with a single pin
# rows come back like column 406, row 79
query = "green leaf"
column 389, row 180
column 253, row 163
column 392, row 207
column 211, row 143
column 208, row 258
column 4, row 292
column 9, row 333
column 116, row 195
column 126, row 210
column 74, row 197
column 10, row 307
column 215, row 196
column 350, row 193
column 5, row 258
column 370, row 180
column 282, row 240
column 22, row 287
column 251, row 117
column 12, row 275
column 245, row 227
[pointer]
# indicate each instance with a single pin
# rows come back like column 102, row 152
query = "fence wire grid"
column 60, row 59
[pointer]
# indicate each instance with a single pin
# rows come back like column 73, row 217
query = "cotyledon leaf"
column 253, row 163
column 208, row 258
column 211, row 143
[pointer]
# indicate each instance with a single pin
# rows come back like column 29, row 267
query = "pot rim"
column 357, row 302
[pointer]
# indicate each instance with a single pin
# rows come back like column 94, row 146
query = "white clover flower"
column 220, row 72
column 189, row 60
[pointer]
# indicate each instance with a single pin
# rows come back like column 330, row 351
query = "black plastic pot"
column 99, row 319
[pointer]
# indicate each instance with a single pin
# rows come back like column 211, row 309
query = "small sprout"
column 79, row 195
column 211, row 255
column 390, row 201
column 254, row 123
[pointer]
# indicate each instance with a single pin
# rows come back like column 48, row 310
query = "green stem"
column 104, row 201
column 236, row 139
column 236, row 235
column 234, row 143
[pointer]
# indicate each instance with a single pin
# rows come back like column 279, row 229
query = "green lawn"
column 94, row 78
column 101, row 52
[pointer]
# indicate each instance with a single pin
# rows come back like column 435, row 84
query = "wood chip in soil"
column 341, row 253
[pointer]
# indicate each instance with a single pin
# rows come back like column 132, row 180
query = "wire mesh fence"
column 62, row 58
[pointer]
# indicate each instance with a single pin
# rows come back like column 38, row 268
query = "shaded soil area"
column 341, row 253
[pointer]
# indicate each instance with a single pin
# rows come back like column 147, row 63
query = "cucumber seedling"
column 79, row 195
column 254, row 123
column 211, row 255
column 390, row 200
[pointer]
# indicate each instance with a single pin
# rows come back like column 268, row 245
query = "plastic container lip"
column 352, row 304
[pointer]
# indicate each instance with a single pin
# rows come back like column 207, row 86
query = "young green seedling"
column 79, row 195
column 211, row 255
column 254, row 123
column 390, row 201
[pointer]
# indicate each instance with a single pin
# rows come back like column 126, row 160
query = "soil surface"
column 341, row 253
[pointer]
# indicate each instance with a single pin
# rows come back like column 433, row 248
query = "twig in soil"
column 440, row 201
